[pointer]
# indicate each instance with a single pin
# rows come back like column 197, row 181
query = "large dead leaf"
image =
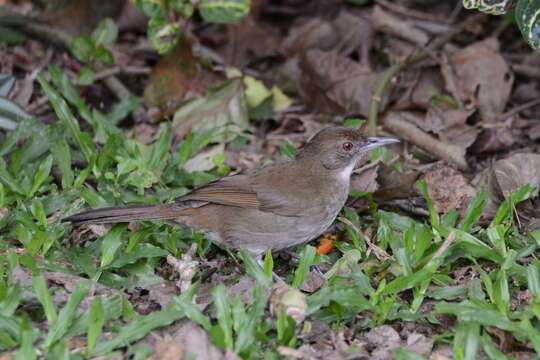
column 449, row 190
column 189, row 342
column 223, row 109
column 79, row 16
column 450, row 125
column 177, row 76
column 494, row 139
column 336, row 84
column 508, row 175
column 481, row 74
column 344, row 34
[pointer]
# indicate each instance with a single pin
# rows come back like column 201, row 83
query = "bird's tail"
column 123, row 214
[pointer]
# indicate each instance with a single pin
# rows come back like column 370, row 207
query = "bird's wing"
column 233, row 190
column 264, row 190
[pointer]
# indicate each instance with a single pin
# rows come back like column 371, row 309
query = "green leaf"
column 255, row 270
column 160, row 149
column 474, row 211
column 111, row 242
column 95, row 324
column 528, row 21
column 223, row 314
column 406, row 354
column 223, row 110
column 103, row 56
column 224, row 11
column 112, row 308
column 186, row 303
column 288, row 150
column 493, row 7
column 27, row 350
column 42, row 174
column 65, row 115
column 67, row 314
column 268, row 265
column 475, row 313
column 10, row 36
column 123, row 108
column 307, row 258
column 6, row 84
column 61, row 154
column 85, row 76
column 467, row 341
column 491, row 350
column 434, row 217
column 82, row 47
column 11, row 114
column 163, row 35
column 354, row 123
column 286, row 327
column 138, row 329
column 106, row 32
column 44, row 296
column 533, row 279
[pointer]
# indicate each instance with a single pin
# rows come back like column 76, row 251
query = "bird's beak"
column 378, row 141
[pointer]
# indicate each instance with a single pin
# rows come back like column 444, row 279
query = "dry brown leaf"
column 493, row 140
column 366, row 181
column 449, row 190
column 344, row 34
column 190, row 341
column 313, row 282
column 336, row 84
column 425, row 85
column 482, row 73
column 419, row 343
column 384, row 337
column 80, row 16
column 516, row 171
column 506, row 176
column 451, row 126
column 176, row 77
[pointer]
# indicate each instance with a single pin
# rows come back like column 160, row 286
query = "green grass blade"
column 223, row 314
column 111, row 242
column 95, row 324
column 138, row 329
column 307, row 258
column 44, row 296
column 67, row 314
column 255, row 270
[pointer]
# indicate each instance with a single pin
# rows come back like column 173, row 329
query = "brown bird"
column 274, row 207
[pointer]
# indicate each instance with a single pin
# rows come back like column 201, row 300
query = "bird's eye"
column 348, row 146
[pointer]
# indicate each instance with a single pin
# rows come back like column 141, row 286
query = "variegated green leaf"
column 224, row 11
column 528, row 20
column 493, row 7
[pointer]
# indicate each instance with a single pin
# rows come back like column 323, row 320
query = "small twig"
column 518, row 109
column 393, row 70
column 379, row 253
column 445, row 245
column 128, row 70
column 402, row 10
column 34, row 106
column 527, row 70
column 411, row 133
